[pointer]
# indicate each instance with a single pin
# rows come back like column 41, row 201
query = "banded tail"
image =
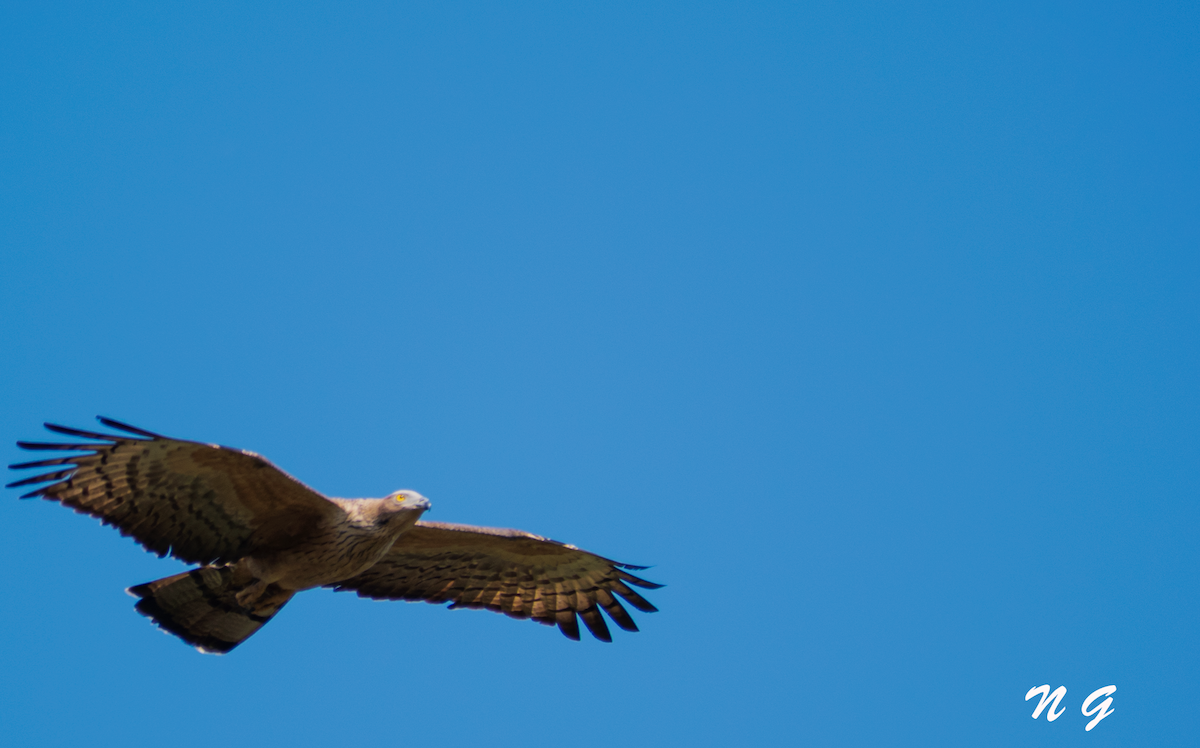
column 200, row 606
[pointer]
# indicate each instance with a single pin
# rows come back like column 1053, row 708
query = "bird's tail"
column 201, row 607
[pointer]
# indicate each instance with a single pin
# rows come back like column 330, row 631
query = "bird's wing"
column 198, row 502
column 508, row 571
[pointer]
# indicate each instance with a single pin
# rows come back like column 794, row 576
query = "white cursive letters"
column 1103, row 707
column 1048, row 698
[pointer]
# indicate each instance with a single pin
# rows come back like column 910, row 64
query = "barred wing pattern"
column 200, row 503
column 508, row 571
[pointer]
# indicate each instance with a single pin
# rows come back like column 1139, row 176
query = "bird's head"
column 403, row 506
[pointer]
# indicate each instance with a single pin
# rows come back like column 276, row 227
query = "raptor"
column 259, row 536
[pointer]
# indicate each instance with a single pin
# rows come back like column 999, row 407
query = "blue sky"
column 872, row 327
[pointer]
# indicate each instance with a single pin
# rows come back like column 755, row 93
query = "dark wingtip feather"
column 45, row 463
column 68, row 431
column 595, row 623
column 44, row 478
column 633, row 598
column 638, row 581
column 615, row 611
column 568, row 624
column 35, row 446
column 127, row 428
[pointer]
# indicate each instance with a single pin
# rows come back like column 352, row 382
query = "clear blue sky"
column 873, row 328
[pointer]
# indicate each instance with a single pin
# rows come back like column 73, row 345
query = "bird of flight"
column 260, row 536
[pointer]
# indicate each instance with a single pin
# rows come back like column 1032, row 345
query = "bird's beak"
column 416, row 504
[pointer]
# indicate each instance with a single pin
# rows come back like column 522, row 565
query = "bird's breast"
column 340, row 553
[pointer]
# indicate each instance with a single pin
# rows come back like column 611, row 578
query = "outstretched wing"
column 508, row 571
column 198, row 502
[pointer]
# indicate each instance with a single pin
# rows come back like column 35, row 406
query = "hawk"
column 260, row 536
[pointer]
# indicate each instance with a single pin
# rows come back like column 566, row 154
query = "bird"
column 259, row 536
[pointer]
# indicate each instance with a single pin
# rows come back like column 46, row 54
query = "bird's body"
column 261, row 537
column 341, row 547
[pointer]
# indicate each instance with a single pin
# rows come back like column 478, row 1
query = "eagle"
column 259, row 536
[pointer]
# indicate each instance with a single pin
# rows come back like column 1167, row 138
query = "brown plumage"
column 261, row 536
column 508, row 571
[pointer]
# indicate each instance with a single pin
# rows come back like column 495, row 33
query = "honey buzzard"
column 260, row 536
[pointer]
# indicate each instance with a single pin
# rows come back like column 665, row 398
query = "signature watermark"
column 1052, row 699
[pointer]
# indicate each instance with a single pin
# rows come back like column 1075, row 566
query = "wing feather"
column 198, row 502
column 612, row 606
column 595, row 623
column 632, row 597
column 511, row 572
